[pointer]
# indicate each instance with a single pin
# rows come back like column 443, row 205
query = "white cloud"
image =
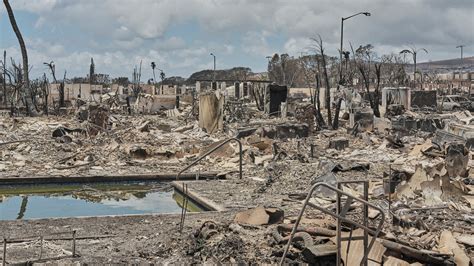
column 296, row 46
column 34, row 6
column 120, row 32
column 228, row 49
column 172, row 43
column 256, row 43
column 129, row 44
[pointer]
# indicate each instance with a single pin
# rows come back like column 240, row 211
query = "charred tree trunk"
column 45, row 95
column 335, row 124
column 62, row 102
column 378, row 73
column 61, row 95
column 26, row 93
column 366, row 79
column 328, row 88
column 319, row 116
column 320, row 49
column 256, row 96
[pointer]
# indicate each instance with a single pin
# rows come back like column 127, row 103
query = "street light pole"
column 340, row 51
column 367, row 14
column 460, row 71
column 214, row 74
column 461, row 46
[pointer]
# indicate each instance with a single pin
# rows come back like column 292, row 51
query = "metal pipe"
column 213, row 150
column 186, row 201
column 338, row 226
column 366, row 216
column 12, row 240
column 181, row 222
column 185, row 207
column 4, row 260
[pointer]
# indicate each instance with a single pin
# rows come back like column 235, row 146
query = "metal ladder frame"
column 340, row 218
column 41, row 237
column 185, row 188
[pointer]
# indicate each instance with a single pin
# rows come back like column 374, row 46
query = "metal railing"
column 343, row 211
column 185, row 207
column 212, row 151
column 340, row 216
column 42, row 238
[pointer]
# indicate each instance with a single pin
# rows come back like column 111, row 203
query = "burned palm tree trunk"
column 26, row 94
column 5, row 78
column 52, row 67
column 91, row 76
column 45, row 88
column 153, row 66
column 24, row 203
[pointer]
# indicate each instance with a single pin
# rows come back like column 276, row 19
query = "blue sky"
column 179, row 34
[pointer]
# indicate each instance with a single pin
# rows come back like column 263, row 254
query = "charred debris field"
column 418, row 178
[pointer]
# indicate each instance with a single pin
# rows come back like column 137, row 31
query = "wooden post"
column 74, row 243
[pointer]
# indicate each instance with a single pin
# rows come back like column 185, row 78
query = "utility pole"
column 367, row 14
column 460, row 71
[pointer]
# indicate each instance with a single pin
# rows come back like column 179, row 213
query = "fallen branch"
column 80, row 165
column 312, row 230
column 76, row 165
column 13, row 141
column 421, row 256
column 67, row 158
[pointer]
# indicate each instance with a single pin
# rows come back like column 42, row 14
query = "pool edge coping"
column 196, row 197
column 165, row 177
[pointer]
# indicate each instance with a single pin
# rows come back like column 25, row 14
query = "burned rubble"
column 419, row 178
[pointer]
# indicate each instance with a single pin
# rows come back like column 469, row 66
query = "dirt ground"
column 126, row 239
